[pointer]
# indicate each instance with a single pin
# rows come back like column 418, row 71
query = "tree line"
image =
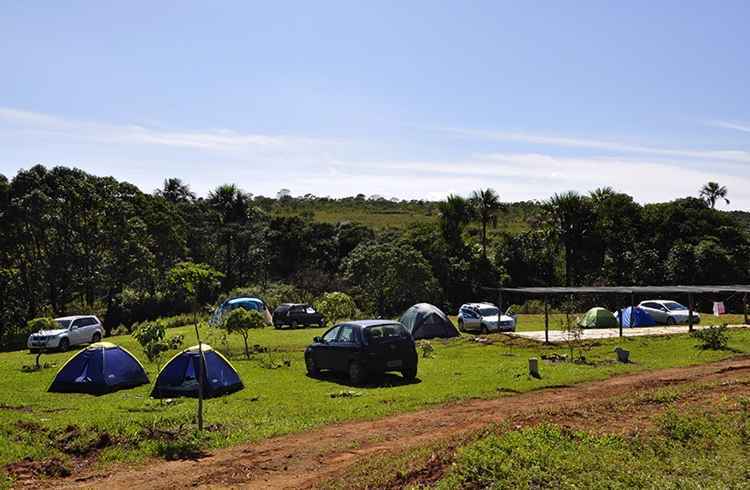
column 75, row 242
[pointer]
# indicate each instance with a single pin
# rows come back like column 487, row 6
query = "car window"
column 489, row 311
column 88, row 322
column 379, row 332
column 346, row 334
column 77, row 323
column 310, row 310
column 63, row 323
column 672, row 306
column 330, row 335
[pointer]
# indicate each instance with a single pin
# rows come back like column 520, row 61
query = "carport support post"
column 744, row 306
column 632, row 309
column 619, row 317
column 690, row 312
column 546, row 321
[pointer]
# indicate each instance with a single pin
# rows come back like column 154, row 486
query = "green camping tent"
column 598, row 318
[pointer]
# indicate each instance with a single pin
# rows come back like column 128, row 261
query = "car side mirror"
column 318, row 340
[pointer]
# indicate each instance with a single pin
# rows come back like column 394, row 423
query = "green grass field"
column 283, row 400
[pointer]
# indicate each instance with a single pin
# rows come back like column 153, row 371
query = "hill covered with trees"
column 75, row 242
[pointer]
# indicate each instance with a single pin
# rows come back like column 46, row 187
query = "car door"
column 657, row 311
column 324, row 351
column 345, row 348
column 77, row 331
column 471, row 319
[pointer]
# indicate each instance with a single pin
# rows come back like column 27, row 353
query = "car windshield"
column 63, row 323
column 379, row 332
column 673, row 306
column 489, row 311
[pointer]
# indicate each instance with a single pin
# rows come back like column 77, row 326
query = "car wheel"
column 64, row 345
column 293, row 324
column 670, row 320
column 409, row 374
column 96, row 337
column 483, row 329
column 357, row 373
column 460, row 325
column 312, row 368
column 322, row 323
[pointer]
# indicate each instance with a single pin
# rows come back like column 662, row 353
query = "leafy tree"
column 241, row 321
column 231, row 205
column 486, row 204
column 194, row 284
column 572, row 220
column 712, row 192
column 336, row 306
column 455, row 213
column 175, row 191
column 388, row 276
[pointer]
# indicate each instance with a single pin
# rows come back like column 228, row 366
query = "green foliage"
column 42, row 323
column 193, row 283
column 426, row 349
column 241, row 321
column 152, row 338
column 336, row 306
column 713, row 337
column 389, row 277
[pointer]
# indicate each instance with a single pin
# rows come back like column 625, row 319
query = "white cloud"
column 744, row 127
column 216, row 139
column 737, row 156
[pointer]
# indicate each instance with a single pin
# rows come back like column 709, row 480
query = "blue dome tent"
column 234, row 303
column 179, row 377
column 100, row 368
column 640, row 317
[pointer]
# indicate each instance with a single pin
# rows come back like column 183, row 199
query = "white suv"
column 668, row 312
column 484, row 318
column 74, row 330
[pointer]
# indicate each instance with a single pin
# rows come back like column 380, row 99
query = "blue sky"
column 406, row 99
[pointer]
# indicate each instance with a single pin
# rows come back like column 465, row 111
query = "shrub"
column 42, row 323
column 336, row 306
column 713, row 337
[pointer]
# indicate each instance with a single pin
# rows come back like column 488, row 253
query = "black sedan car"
column 361, row 348
column 296, row 314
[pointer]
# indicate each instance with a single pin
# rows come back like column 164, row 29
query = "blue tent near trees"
column 100, row 368
column 179, row 377
column 640, row 317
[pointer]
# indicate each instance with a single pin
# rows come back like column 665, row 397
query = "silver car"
column 484, row 318
column 668, row 312
column 74, row 330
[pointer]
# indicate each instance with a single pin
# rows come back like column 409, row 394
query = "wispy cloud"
column 744, row 127
column 214, row 139
column 737, row 156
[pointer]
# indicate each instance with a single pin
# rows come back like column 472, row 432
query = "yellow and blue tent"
column 100, row 368
column 179, row 377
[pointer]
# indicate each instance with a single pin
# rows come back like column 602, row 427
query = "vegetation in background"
column 714, row 337
column 336, row 306
column 78, row 243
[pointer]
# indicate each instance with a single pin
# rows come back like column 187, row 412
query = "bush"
column 42, row 323
column 713, row 337
column 336, row 306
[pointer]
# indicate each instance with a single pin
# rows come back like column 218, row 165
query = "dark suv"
column 361, row 348
column 295, row 314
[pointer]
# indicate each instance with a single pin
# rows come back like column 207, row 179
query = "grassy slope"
column 272, row 402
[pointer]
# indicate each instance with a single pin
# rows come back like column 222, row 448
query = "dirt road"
column 304, row 460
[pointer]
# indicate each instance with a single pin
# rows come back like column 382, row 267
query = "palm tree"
column 454, row 214
column 712, row 192
column 175, row 191
column 231, row 205
column 571, row 221
column 486, row 204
